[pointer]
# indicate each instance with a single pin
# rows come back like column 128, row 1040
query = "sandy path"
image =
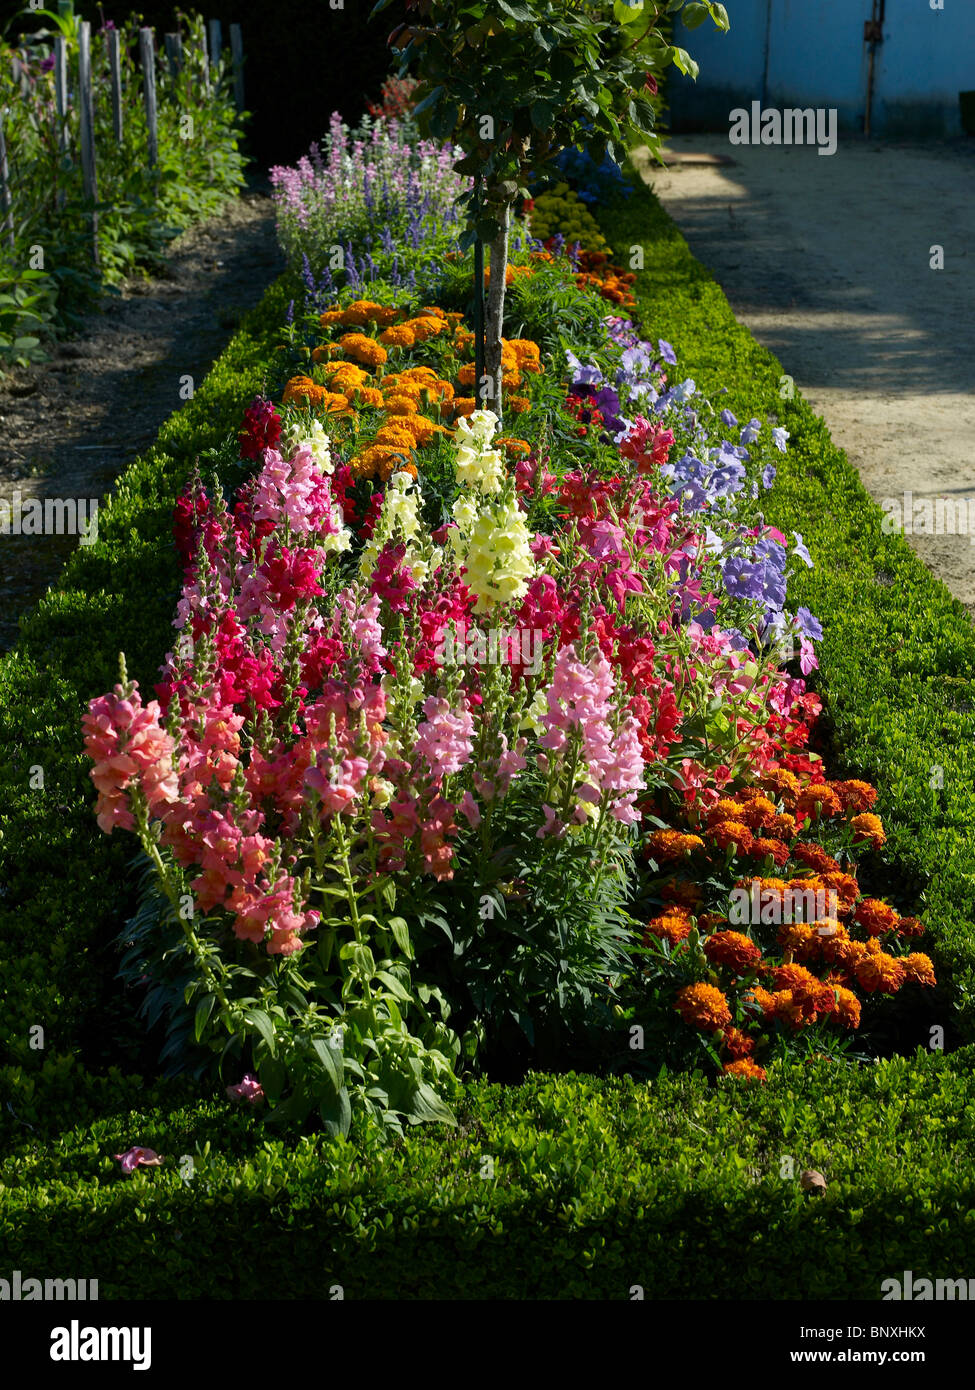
column 827, row 261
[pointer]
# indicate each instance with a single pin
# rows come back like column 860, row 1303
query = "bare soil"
column 70, row 426
column 827, row 260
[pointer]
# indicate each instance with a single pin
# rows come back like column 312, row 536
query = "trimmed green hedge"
column 898, row 657
column 686, row 1189
column 64, row 886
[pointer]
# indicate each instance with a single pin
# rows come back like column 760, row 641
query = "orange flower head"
column 398, row 335
column 869, row 827
column 818, row 800
column 727, row 832
column 674, row 925
column 876, row 972
column 847, row 1011
column 703, row 1006
column 665, row 845
column 734, row 950
column 737, row 1044
column 363, row 349
column 855, row 796
column 918, row 968
column 910, row 926
column 745, row 1069
column 876, row 917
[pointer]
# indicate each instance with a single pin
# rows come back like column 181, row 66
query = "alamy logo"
column 911, row 1290
column 793, row 126
column 76, row 1343
column 54, row 516
column 929, row 516
column 17, row 1289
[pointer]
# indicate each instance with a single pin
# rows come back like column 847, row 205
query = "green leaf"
column 203, row 1011
column 541, row 114
column 331, row 1063
column 684, row 61
column 628, row 14
column 720, row 15
column 694, row 13
column 258, row 1019
column 336, row 1114
column 395, row 987
column 427, row 1107
column 401, row 935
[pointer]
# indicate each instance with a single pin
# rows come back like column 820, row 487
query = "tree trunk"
column 489, row 391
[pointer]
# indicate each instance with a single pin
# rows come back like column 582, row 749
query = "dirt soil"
column 70, row 426
column 827, row 260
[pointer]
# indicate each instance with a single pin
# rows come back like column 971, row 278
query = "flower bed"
column 351, row 759
column 885, row 1136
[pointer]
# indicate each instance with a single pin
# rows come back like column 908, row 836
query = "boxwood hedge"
column 561, row 1187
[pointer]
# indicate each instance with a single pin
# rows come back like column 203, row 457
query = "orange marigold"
column 763, row 998
column 784, row 826
column 725, row 809
column 730, row 832
column 518, row 404
column 463, row 405
column 703, row 1006
column 401, row 405
column 910, row 926
column 919, row 968
column 759, row 813
column 869, row 827
column 745, row 1068
column 732, row 949
column 398, row 335
column 770, row 849
column 855, row 796
column 876, row 917
column 737, row 1044
column 818, row 800
column 363, row 349
column 781, row 783
column 880, row 973
column 815, row 857
column 671, row 844
column 847, row 1011
column 674, row 925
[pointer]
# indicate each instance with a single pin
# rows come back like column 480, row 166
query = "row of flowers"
column 430, row 680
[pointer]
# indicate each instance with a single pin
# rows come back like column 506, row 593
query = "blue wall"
column 812, row 53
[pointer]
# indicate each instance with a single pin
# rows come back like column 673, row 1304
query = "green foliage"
column 139, row 208
column 897, row 664
column 559, row 1188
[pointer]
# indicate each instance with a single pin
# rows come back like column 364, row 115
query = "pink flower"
column 138, row 1158
column 445, row 739
column 249, row 1089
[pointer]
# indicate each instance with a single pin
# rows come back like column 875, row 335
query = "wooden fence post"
column 216, row 42
column 206, row 63
column 61, row 89
column 174, row 53
column 87, row 110
column 115, row 73
column 148, row 59
column 237, row 51
column 5, row 200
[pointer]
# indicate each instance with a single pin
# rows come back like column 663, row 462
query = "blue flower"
column 727, row 419
column 750, row 431
column 768, row 475
column 667, row 352
column 801, row 550
column 779, row 437
column 809, row 625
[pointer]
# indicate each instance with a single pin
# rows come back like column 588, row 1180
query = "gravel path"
column 827, row 260
column 69, row 427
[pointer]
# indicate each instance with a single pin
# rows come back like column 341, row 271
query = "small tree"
column 514, row 82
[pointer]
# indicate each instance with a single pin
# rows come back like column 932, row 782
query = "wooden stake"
column 115, row 75
column 5, row 200
column 87, row 109
column 237, row 51
column 147, row 57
